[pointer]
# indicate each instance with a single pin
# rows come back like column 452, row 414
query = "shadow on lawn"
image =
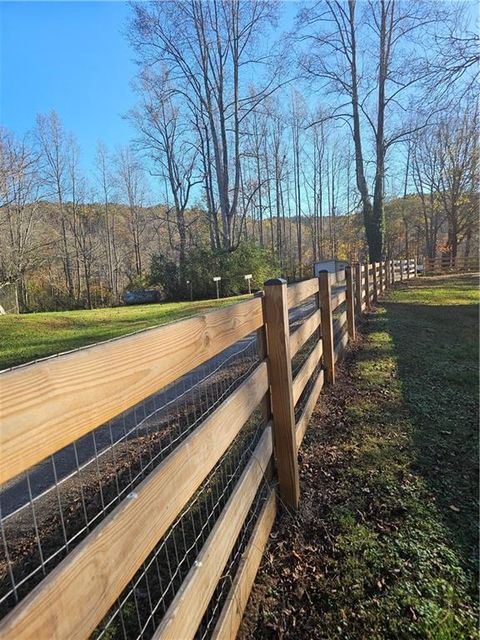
column 437, row 351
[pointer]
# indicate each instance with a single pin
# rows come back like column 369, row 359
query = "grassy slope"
column 27, row 337
column 384, row 544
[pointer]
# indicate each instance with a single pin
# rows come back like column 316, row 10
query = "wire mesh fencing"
column 146, row 599
column 46, row 511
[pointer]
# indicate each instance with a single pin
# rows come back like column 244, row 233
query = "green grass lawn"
column 434, row 333
column 30, row 336
column 385, row 541
column 417, row 447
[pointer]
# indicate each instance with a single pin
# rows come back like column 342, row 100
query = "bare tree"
column 131, row 184
column 105, row 186
column 19, row 211
column 167, row 139
column 424, row 173
column 208, row 47
column 53, row 144
column 370, row 86
column 457, row 185
column 455, row 68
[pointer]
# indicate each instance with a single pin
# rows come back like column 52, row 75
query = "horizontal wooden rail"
column 231, row 616
column 338, row 299
column 47, row 405
column 339, row 323
column 340, row 345
column 75, row 596
column 308, row 367
column 299, row 291
column 302, row 423
column 303, row 333
column 186, row 611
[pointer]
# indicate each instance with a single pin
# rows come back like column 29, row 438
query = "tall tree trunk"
column 375, row 252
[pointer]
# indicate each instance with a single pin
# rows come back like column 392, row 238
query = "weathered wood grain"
column 47, row 405
column 281, row 390
column 70, row 602
column 303, row 333
column 350, row 303
column 358, row 289
column 231, row 616
column 338, row 299
column 305, row 372
column 298, row 291
column 186, row 611
column 327, row 326
column 302, row 423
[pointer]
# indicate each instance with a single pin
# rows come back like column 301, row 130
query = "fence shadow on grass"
column 437, row 353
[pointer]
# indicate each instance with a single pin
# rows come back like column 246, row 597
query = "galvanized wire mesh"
column 45, row 512
column 221, row 592
column 146, row 599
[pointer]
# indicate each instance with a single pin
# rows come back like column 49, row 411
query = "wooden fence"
column 443, row 263
column 49, row 404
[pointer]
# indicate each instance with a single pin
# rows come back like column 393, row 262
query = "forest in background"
column 353, row 136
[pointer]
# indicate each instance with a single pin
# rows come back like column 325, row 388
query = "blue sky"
column 72, row 57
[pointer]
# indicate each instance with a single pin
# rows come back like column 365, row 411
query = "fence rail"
column 178, row 554
column 449, row 263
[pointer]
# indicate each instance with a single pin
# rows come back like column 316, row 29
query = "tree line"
column 355, row 135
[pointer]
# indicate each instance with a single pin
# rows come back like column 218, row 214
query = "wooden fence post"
column 392, row 270
column 408, row 268
column 262, row 354
column 415, row 273
column 380, row 276
column 350, row 303
column 327, row 325
column 375, row 281
column 401, row 270
column 387, row 275
column 281, row 390
column 358, row 288
column 367, row 284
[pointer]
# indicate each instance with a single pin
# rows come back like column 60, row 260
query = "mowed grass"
column 434, row 330
column 416, row 458
column 384, row 544
column 26, row 337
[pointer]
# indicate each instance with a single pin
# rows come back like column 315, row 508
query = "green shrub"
column 201, row 265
